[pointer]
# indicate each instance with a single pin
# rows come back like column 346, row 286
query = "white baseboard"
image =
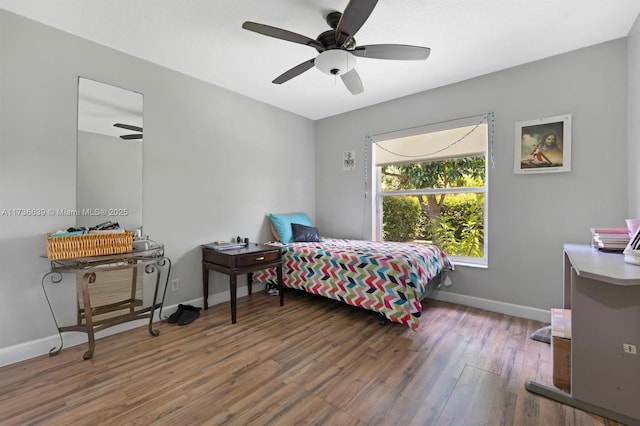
column 34, row 348
column 520, row 311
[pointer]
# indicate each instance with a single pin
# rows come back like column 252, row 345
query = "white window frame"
column 379, row 194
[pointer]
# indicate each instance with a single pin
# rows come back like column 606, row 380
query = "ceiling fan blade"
column 294, row 72
column 131, row 136
column 128, row 127
column 282, row 34
column 353, row 82
column 354, row 16
column 392, row 51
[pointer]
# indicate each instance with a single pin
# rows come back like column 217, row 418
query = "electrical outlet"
column 175, row 285
column 629, row 348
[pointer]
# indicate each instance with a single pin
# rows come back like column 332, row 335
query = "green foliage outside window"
column 401, row 219
column 453, row 221
column 462, row 225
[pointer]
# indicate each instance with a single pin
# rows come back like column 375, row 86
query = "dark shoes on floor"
column 173, row 318
column 186, row 314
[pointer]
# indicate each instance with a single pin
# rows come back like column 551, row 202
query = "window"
column 431, row 187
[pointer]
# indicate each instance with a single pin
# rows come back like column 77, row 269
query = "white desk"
column 603, row 293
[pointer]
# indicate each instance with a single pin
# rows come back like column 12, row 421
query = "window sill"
column 457, row 263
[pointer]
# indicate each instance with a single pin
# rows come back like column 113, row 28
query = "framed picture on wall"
column 349, row 160
column 543, row 145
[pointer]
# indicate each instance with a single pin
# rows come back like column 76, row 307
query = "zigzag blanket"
column 385, row 277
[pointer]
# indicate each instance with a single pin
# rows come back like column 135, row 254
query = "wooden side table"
column 244, row 260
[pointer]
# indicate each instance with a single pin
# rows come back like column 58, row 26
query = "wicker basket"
column 89, row 245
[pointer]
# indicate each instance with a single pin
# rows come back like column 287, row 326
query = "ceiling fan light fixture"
column 335, row 62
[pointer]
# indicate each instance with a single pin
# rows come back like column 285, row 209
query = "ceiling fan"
column 337, row 47
column 130, row 127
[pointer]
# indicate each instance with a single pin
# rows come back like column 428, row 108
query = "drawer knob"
column 260, row 258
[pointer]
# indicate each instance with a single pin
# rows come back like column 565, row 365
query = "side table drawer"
column 218, row 258
column 256, row 258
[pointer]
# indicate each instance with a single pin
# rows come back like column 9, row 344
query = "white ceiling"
column 204, row 39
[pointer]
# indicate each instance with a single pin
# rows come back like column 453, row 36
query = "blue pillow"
column 282, row 224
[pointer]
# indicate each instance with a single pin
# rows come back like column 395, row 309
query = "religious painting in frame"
column 543, row 145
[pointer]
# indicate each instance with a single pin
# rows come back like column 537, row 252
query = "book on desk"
column 610, row 239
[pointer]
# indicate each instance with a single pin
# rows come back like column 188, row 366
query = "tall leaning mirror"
column 109, row 174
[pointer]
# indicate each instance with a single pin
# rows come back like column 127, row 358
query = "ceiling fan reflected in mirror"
column 337, row 47
column 130, row 127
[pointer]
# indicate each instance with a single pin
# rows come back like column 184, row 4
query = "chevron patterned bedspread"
column 385, row 277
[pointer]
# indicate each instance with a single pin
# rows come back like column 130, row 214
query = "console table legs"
column 567, row 399
column 86, row 274
column 157, row 268
column 89, row 277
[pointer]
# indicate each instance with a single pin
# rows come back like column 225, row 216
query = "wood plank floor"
column 311, row 362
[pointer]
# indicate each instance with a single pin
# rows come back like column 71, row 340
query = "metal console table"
column 151, row 258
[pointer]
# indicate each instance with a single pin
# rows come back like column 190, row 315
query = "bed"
column 385, row 277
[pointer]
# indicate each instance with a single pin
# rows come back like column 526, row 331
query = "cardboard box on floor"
column 561, row 348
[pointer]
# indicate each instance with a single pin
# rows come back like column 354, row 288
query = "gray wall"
column 213, row 166
column 530, row 216
column 633, row 47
